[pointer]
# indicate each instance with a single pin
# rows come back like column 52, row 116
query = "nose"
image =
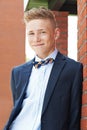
column 37, row 37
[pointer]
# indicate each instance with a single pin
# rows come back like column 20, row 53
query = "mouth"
column 40, row 44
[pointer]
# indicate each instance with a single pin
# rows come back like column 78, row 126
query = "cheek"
column 30, row 40
column 49, row 37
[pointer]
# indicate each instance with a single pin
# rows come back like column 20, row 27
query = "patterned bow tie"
column 43, row 62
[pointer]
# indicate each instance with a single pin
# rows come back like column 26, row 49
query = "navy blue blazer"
column 62, row 101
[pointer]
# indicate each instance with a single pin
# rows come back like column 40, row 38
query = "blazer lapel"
column 25, row 74
column 57, row 68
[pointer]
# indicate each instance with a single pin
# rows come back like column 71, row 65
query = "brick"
column 83, row 60
column 84, row 111
column 84, row 101
column 83, row 124
column 83, row 49
column 84, row 87
column 63, row 14
column 85, row 71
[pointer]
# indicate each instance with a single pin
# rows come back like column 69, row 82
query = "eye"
column 31, row 34
column 43, row 32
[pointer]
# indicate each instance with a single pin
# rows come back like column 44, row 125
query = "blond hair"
column 39, row 13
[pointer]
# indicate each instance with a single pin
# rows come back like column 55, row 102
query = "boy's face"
column 41, row 36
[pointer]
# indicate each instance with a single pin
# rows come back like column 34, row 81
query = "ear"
column 57, row 33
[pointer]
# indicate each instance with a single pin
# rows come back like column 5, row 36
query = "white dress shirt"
column 30, row 116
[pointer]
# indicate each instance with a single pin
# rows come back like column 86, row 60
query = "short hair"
column 39, row 13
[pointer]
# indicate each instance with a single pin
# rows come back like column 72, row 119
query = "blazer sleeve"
column 76, row 100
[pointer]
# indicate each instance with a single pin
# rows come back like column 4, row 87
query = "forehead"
column 39, row 24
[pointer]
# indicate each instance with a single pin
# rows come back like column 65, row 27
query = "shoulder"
column 73, row 67
column 23, row 66
column 70, row 63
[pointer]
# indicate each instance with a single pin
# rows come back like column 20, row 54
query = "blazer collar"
column 55, row 73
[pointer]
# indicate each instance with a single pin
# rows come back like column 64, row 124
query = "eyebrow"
column 37, row 30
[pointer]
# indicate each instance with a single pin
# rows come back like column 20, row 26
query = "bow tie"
column 43, row 62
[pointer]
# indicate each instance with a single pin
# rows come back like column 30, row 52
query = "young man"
column 46, row 90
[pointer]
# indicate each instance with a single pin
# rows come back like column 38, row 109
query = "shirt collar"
column 52, row 55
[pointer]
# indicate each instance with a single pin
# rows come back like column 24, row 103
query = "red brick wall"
column 82, row 55
column 62, row 20
column 11, row 50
